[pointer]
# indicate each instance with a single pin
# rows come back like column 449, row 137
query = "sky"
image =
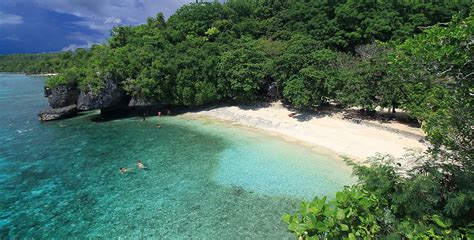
column 33, row 26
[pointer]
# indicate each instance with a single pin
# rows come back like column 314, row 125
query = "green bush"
column 353, row 214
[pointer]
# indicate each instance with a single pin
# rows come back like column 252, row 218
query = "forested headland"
column 409, row 55
column 36, row 63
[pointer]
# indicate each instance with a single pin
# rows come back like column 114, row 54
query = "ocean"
column 204, row 179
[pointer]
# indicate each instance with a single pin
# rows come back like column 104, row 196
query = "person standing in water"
column 158, row 124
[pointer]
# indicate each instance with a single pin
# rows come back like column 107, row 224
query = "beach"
column 357, row 139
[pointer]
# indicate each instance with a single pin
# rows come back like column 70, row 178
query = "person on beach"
column 143, row 117
column 123, row 170
column 159, row 114
column 140, row 165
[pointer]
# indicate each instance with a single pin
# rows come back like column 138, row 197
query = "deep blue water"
column 205, row 179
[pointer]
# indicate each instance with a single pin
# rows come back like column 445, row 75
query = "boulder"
column 111, row 96
column 57, row 113
column 62, row 95
column 273, row 91
column 47, row 91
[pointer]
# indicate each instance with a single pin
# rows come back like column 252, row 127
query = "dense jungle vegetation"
column 35, row 63
column 410, row 55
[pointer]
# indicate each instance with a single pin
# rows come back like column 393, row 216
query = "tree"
column 241, row 70
column 444, row 56
column 313, row 85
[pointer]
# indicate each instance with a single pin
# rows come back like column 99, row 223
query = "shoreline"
column 41, row 74
column 317, row 149
column 331, row 133
column 32, row 74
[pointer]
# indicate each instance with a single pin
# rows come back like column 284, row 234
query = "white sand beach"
column 355, row 139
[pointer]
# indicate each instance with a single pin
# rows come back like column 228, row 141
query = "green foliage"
column 386, row 204
column 308, row 87
column 69, row 76
column 241, row 70
column 210, row 51
column 120, row 36
column 368, row 85
column 442, row 58
column 432, row 76
column 353, row 214
column 296, row 56
column 41, row 63
column 194, row 19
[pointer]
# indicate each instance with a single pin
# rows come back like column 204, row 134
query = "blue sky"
column 32, row 26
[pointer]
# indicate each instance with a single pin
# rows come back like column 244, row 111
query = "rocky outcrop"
column 111, row 96
column 57, row 113
column 67, row 100
column 62, row 95
column 139, row 102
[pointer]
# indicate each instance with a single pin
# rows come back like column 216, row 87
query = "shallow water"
column 205, row 179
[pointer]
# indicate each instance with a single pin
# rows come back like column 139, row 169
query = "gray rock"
column 62, row 95
column 47, row 91
column 273, row 91
column 57, row 113
column 139, row 102
column 356, row 120
column 112, row 95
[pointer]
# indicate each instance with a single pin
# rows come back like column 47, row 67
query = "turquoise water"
column 205, row 179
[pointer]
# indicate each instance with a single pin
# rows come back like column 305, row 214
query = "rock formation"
column 62, row 95
column 57, row 113
column 111, row 96
column 272, row 91
column 67, row 100
column 141, row 102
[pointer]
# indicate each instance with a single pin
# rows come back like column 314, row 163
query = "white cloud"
column 113, row 20
column 85, row 41
column 97, row 26
column 102, row 15
column 6, row 18
column 73, row 47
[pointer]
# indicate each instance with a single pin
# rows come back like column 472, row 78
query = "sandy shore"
column 43, row 74
column 354, row 139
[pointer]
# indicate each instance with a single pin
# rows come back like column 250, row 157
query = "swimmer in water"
column 140, row 165
column 123, row 170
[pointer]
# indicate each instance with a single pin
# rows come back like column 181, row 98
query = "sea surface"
column 205, row 179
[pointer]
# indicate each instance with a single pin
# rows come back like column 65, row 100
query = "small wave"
column 21, row 131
